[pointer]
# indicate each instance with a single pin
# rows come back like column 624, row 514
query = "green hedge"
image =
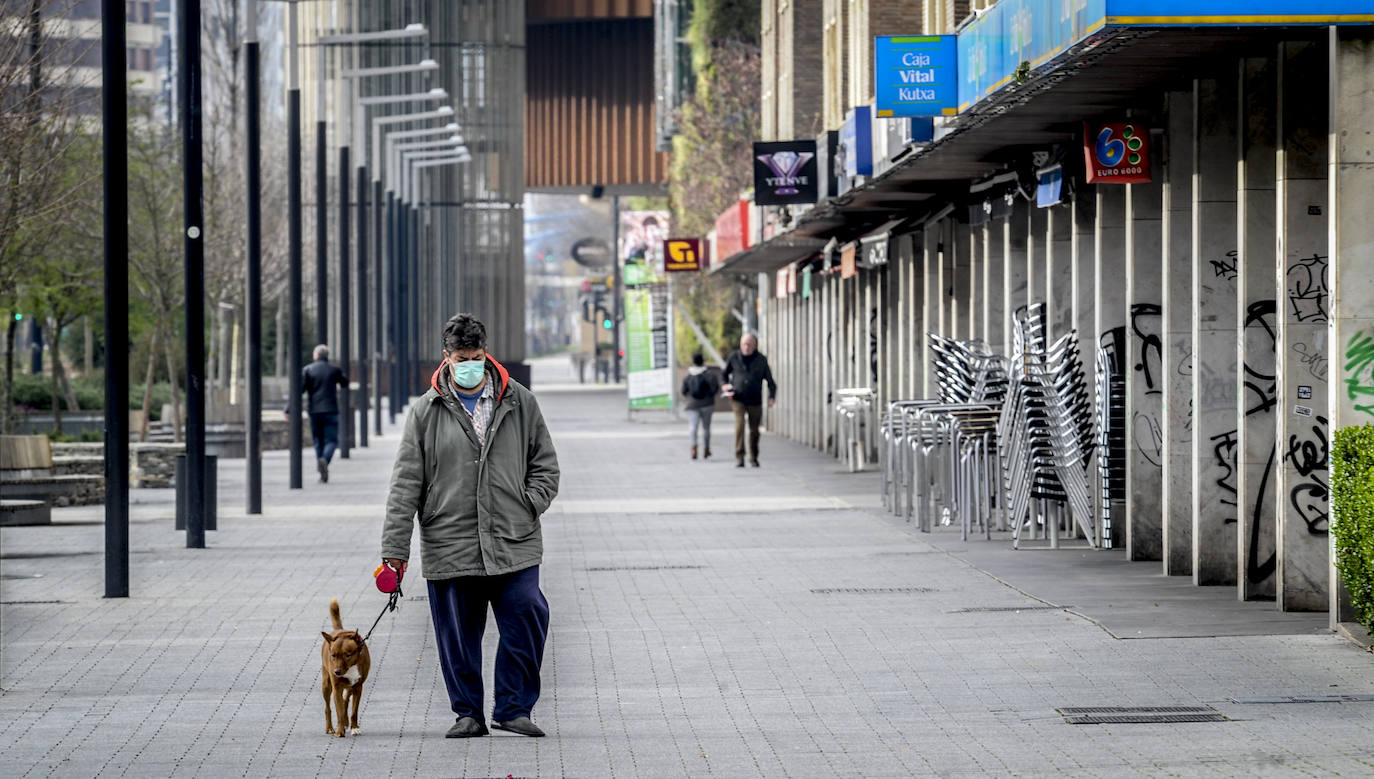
column 34, row 392
column 1352, row 516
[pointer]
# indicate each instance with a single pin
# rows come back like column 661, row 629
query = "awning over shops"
column 1115, row 68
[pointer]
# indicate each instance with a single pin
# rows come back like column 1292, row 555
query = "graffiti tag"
column 1309, row 496
column 1224, row 452
column 1225, row 269
column 1307, row 290
column 1359, row 370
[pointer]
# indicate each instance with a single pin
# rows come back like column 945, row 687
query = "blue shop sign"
column 916, row 75
column 857, row 141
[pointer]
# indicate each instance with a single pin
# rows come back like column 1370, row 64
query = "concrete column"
column 973, row 329
column 1082, row 216
column 1215, row 376
column 1301, row 195
column 1255, row 314
column 1109, row 305
column 993, row 302
column 1033, row 225
column 1352, row 242
column 1144, row 360
column 953, row 284
column 901, row 311
column 1059, row 269
column 1178, row 335
column 1013, row 268
column 930, row 297
column 913, row 292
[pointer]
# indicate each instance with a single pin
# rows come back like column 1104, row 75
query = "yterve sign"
column 1116, row 152
column 682, row 254
column 785, row 173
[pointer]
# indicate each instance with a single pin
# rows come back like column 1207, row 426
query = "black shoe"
column 520, row 726
column 754, row 463
column 466, row 727
column 739, row 463
column 323, row 466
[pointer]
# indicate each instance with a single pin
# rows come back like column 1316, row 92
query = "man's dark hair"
column 697, row 359
column 464, row 332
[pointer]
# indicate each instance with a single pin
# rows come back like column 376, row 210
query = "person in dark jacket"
column 700, row 386
column 475, row 470
column 746, row 372
column 318, row 380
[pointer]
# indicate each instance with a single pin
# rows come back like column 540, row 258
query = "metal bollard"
column 211, row 492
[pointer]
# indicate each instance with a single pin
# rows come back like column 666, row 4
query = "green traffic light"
column 606, row 323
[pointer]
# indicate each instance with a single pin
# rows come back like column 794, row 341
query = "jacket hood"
column 696, row 370
column 494, row 370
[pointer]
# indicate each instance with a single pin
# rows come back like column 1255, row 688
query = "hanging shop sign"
column 1049, row 189
column 780, row 283
column 806, row 282
column 916, row 75
column 1116, row 152
column 849, row 261
column 682, row 255
column 785, row 173
column 856, row 145
column 829, row 165
column 732, row 231
column 648, row 378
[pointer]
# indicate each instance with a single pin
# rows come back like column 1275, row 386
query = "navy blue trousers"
column 324, row 428
column 459, row 609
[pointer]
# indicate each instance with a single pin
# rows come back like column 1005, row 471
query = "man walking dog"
column 477, row 465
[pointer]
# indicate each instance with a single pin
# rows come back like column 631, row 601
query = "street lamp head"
column 444, row 110
column 415, row 27
column 439, row 92
column 429, row 64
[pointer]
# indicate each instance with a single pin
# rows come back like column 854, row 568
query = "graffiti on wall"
column 1224, row 446
column 1261, row 384
column 1308, row 452
column 1147, row 429
column 1307, row 291
column 1260, row 397
column 1226, row 268
column 1359, row 371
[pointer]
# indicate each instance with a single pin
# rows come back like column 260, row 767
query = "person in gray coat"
column 477, row 467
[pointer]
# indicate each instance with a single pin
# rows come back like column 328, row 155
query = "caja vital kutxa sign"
column 785, row 173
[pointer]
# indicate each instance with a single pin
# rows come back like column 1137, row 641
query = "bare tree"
column 38, row 125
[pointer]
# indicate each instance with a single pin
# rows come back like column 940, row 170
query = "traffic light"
column 606, row 322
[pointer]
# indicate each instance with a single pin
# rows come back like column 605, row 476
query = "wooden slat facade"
column 540, row 11
column 589, row 104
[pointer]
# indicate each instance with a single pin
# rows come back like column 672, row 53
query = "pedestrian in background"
column 477, row 464
column 745, row 373
column 318, row 380
column 700, row 386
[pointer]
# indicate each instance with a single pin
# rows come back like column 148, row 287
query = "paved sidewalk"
column 705, row 621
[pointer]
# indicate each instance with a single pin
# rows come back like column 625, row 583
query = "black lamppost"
column 115, row 164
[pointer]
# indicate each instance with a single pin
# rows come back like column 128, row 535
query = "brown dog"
column 343, row 668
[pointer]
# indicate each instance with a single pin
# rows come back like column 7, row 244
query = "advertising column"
column 648, row 365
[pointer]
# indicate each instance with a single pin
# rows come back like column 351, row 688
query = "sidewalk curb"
column 1355, row 633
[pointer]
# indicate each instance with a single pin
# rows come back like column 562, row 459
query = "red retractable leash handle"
column 388, row 581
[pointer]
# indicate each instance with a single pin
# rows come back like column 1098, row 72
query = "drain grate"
column 870, row 590
column 1308, row 699
column 32, row 602
column 1111, row 715
column 419, row 599
column 987, row 609
column 648, row 568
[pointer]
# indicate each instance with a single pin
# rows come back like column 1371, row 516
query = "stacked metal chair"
column 1111, row 427
column 1046, row 429
column 854, row 428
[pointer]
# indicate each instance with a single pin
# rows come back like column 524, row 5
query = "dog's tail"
column 334, row 613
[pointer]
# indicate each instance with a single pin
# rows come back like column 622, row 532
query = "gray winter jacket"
column 478, row 506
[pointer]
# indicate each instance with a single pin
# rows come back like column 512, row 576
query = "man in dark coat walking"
column 475, row 470
column 318, row 380
column 747, row 371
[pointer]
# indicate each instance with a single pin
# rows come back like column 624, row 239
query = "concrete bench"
column 24, row 512
column 28, row 471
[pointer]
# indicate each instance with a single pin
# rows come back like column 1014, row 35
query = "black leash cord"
column 391, row 602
